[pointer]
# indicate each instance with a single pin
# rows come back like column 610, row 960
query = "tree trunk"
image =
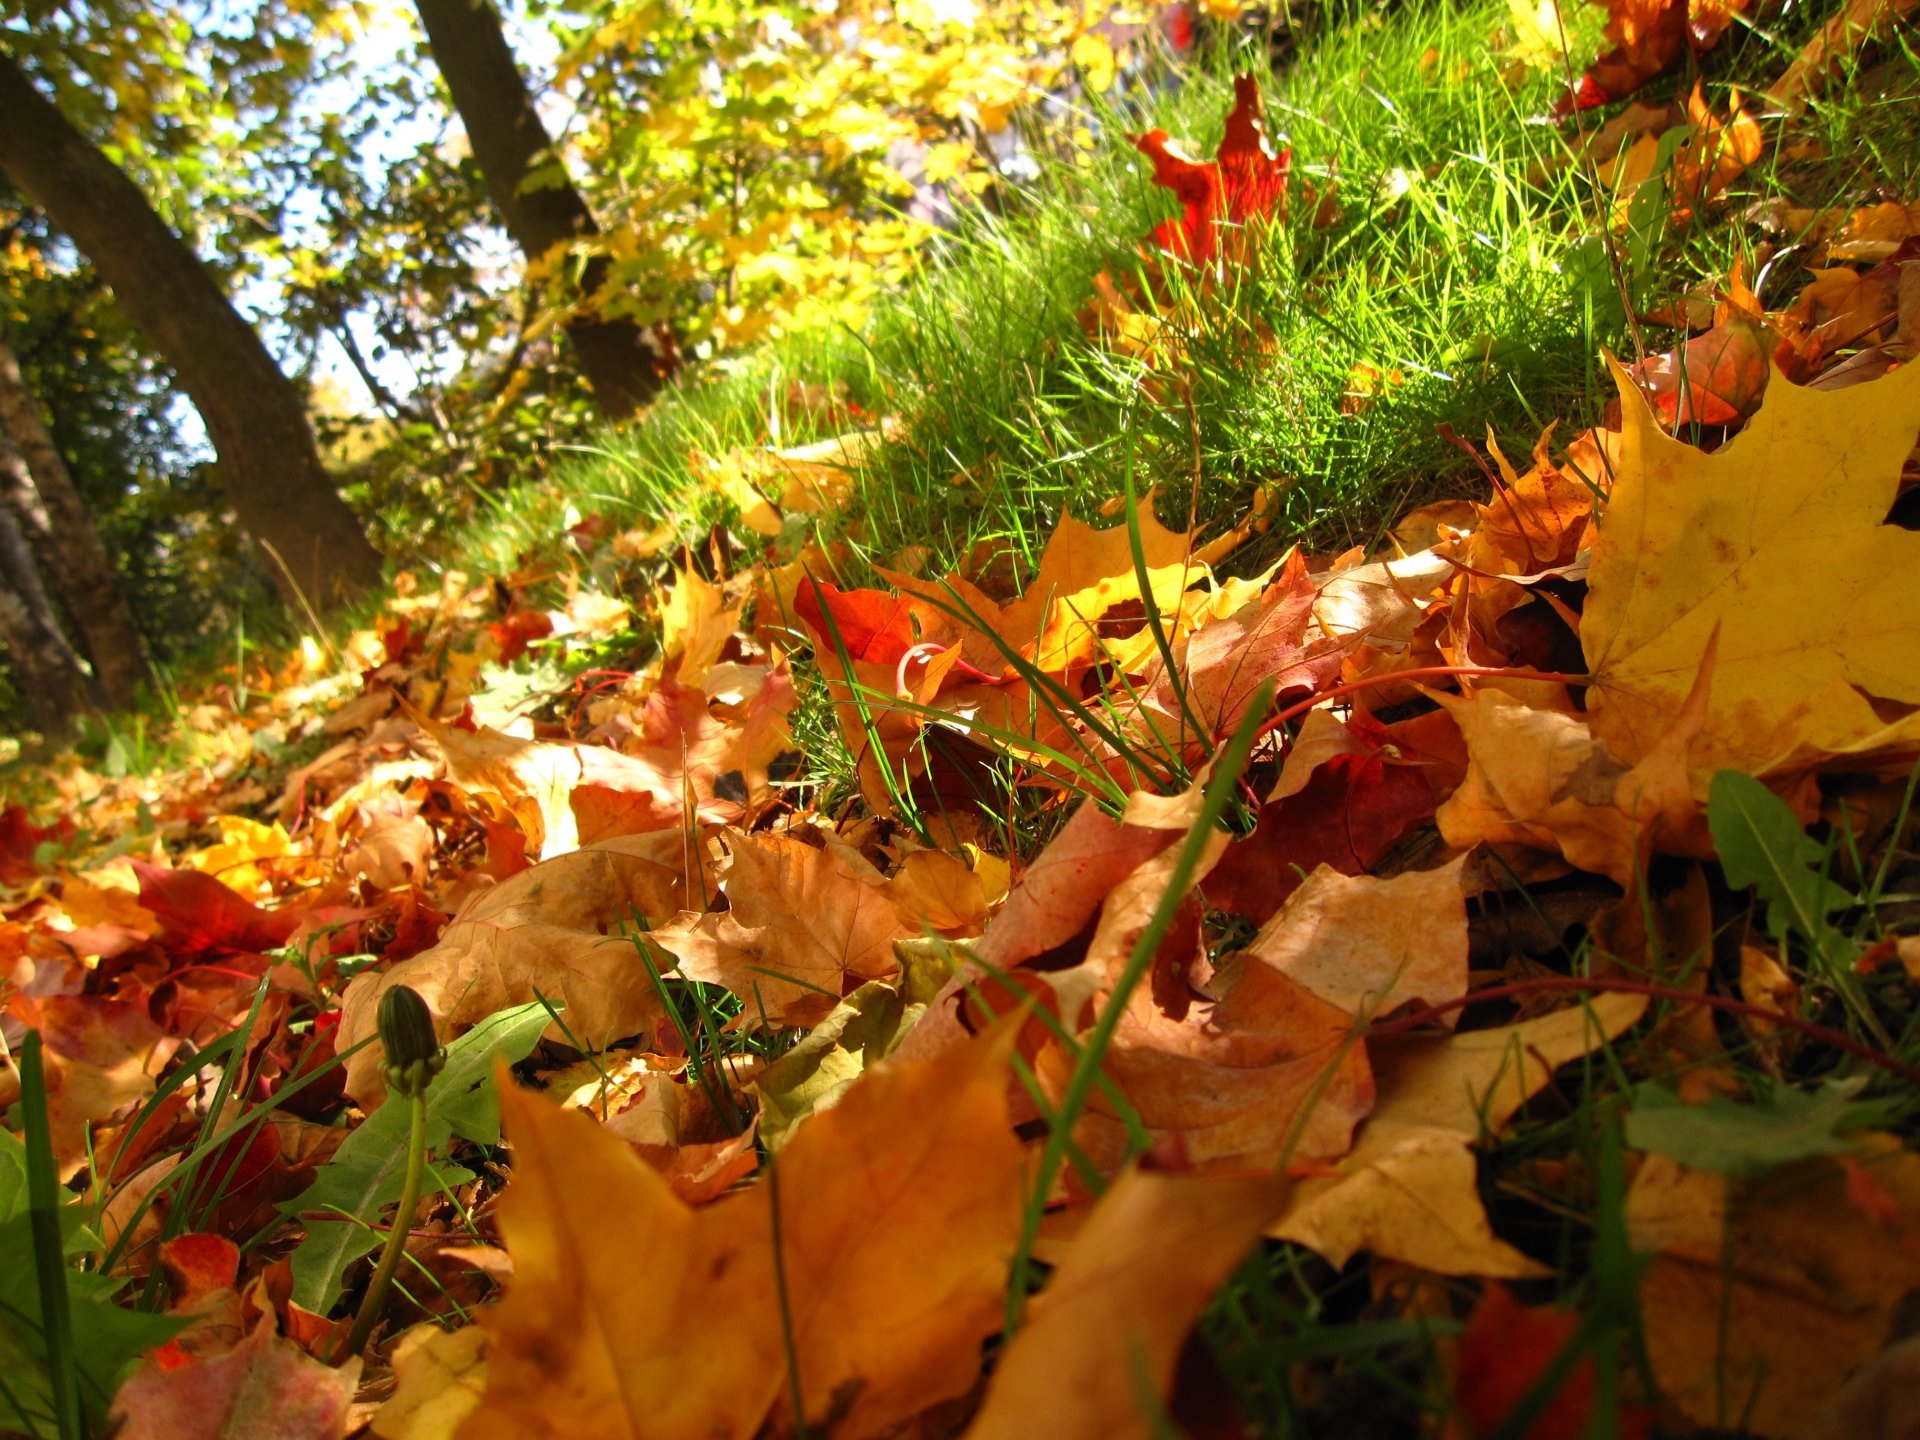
column 47, row 673
column 269, row 465
column 508, row 140
column 70, row 547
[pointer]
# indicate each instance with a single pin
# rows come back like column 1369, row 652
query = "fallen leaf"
column 555, row 928
column 1225, row 200
column 631, row 1314
column 442, row 1374
column 1539, row 778
column 1744, row 1271
column 1776, row 541
column 1406, row 1193
column 1369, row 945
column 101, row 1057
column 1106, row 1333
column 1505, row 1350
column 806, row 926
column 265, row 1388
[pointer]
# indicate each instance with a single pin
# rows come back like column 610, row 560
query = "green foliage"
column 366, row 1174
column 103, row 1339
column 1724, row 1135
column 1762, row 846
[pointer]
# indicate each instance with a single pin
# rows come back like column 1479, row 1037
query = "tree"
column 53, row 688
column 270, row 468
column 66, row 540
column 537, row 201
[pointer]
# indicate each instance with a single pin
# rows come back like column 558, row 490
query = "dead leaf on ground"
column 556, row 928
column 1107, row 1331
column 630, row 1314
column 1778, row 542
column 1745, row 1271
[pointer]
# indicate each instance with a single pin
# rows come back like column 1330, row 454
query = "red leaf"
column 874, row 625
column 519, row 630
column 199, row 1265
column 19, row 839
column 200, row 913
column 1505, row 1348
column 1242, row 184
column 1713, row 379
column 1352, row 811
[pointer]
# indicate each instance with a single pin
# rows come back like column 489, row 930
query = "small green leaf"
column 1735, row 1139
column 1762, row 847
column 369, row 1169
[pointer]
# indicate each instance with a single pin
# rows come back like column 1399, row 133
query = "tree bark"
column 270, row 467
column 53, row 687
column 508, row 140
column 69, row 546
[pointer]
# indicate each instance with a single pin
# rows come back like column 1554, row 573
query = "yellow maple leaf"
column 1775, row 540
column 630, row 1313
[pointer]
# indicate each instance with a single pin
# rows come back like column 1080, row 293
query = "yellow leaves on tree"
column 884, row 1234
column 1776, row 541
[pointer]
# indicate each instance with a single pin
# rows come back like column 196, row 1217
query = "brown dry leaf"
column 101, row 1056
column 808, row 926
column 1062, row 890
column 1410, row 1191
column 1116, row 1312
column 554, row 928
column 1537, row 520
column 1369, row 945
column 1859, row 24
column 1539, row 778
column 393, row 851
column 1264, row 1071
column 1777, row 541
column 632, row 1315
column 1747, row 1272
column 1474, row 1083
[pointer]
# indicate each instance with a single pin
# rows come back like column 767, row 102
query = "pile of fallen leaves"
column 1570, row 809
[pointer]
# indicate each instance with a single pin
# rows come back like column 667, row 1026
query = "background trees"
column 302, row 213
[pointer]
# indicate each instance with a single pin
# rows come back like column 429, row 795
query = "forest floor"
column 1281, row 808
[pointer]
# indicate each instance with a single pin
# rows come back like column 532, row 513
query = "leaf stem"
column 375, row 1298
column 1424, row 672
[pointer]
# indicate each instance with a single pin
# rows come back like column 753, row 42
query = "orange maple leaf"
column 1240, row 186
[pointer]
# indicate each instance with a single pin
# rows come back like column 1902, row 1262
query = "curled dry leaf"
column 556, row 928
column 1539, row 778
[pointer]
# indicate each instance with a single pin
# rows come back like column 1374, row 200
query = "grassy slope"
column 1465, row 260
